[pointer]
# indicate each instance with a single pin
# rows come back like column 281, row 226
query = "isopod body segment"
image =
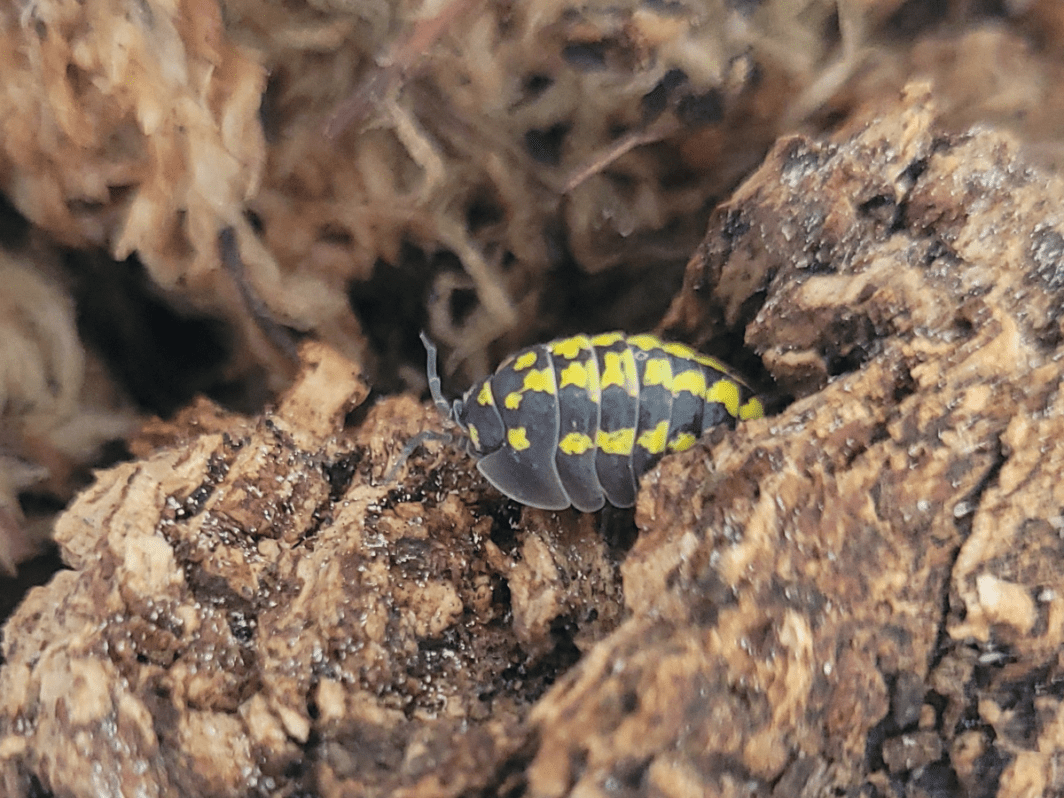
column 579, row 420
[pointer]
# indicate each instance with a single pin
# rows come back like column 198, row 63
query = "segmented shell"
column 578, row 420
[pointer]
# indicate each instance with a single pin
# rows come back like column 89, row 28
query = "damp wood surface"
column 862, row 593
column 496, row 173
column 251, row 607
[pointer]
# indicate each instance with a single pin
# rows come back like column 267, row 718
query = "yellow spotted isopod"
column 579, row 420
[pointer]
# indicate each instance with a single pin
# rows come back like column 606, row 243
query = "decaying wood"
column 864, row 591
column 251, row 605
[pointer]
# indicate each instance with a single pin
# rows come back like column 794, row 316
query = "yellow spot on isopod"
column 512, row 400
column 727, row 393
column 653, row 440
column 644, row 342
column 474, row 435
column 575, row 443
column 574, row 374
column 682, row 442
column 569, row 348
column 658, row 371
column 617, row 442
column 541, row 381
column 690, row 381
column 679, row 350
column 525, row 361
column 619, row 369
column 484, row 395
column 518, row 438
column 752, row 409
column 611, row 371
column 606, row 339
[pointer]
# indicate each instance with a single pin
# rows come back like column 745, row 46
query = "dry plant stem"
column 275, row 333
column 626, row 143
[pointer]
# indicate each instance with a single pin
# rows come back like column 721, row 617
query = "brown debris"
column 252, row 608
column 495, row 141
column 860, row 594
column 55, row 407
column 862, row 589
